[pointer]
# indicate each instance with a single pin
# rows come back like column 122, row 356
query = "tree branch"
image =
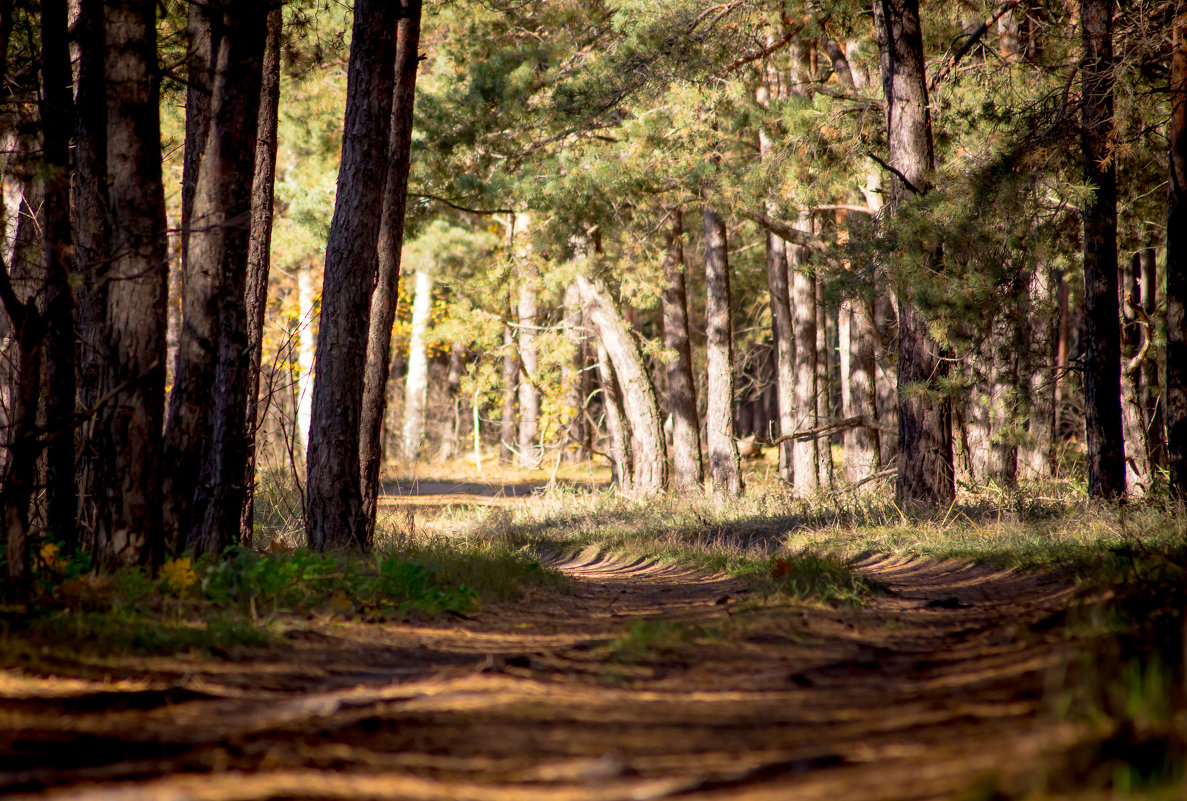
column 970, row 43
column 894, row 171
column 467, row 210
column 782, row 230
column 1135, row 364
column 762, row 53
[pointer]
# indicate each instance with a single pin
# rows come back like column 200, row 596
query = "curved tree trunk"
column 1102, row 347
column 259, row 250
column 638, row 394
column 1176, row 263
column 391, row 243
column 334, row 505
column 688, row 472
column 724, row 466
column 925, row 469
column 134, row 319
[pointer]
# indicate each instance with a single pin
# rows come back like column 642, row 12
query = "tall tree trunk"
column 416, row 385
column 925, row 469
column 507, row 426
column 1102, row 347
column 1176, row 263
column 61, row 501
column 782, row 326
column 134, row 320
column 724, row 467
column 803, row 286
column 1036, row 380
column 200, row 60
column 306, row 346
column 334, row 513
column 616, row 427
column 824, row 400
column 451, row 423
column 1138, row 473
column 573, row 377
column 529, row 393
column 688, row 472
column 223, row 209
column 259, row 250
column 1152, row 401
column 92, row 234
column 862, row 446
column 391, row 243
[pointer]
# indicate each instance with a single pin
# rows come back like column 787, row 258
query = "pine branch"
column 970, row 43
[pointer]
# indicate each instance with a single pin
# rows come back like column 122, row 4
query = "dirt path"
column 646, row 681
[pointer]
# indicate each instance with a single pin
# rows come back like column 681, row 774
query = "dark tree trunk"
column 61, row 499
column 92, row 234
column 1176, row 263
column 391, row 242
column 638, row 395
column 223, row 214
column 724, row 468
column 334, row 508
column 1138, row 473
column 259, row 250
column 1102, row 347
column 688, row 472
column 134, row 321
column 200, row 61
column 20, row 475
column 925, row 469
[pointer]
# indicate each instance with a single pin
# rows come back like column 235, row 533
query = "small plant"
column 649, row 639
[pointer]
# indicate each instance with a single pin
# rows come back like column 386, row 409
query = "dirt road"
column 645, row 681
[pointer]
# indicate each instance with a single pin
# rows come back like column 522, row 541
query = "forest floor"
column 638, row 679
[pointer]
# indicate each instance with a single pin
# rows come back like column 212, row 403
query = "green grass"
column 647, row 640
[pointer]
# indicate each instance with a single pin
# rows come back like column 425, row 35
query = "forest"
column 507, row 398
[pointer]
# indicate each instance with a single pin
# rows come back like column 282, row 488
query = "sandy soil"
column 922, row 693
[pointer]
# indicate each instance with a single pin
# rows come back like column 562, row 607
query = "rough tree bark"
column 210, row 394
column 391, row 242
column 925, row 469
column 618, row 436
column 259, row 250
column 1138, row 473
column 724, row 465
column 61, row 499
column 1151, row 379
column 334, row 514
column 200, row 61
column 803, row 287
column 529, row 393
column 510, row 392
column 573, row 377
column 650, row 466
column 91, row 231
column 688, row 471
column 1102, row 346
column 1176, row 263
column 130, row 421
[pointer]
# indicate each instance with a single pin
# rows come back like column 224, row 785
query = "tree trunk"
column 1138, row 473
column 450, row 425
column 1152, row 401
column 782, row 326
column 824, row 395
column 416, row 385
column 200, row 60
column 334, row 513
column 529, row 393
column 1176, row 263
column 1036, row 380
column 616, row 428
column 862, row 446
column 61, row 499
column 925, row 469
column 510, row 392
column 306, row 344
column 391, row 242
column 638, row 395
column 573, row 377
column 803, row 280
column 134, row 321
column 259, row 250
column 1102, row 347
column 20, row 475
column 92, row 233
column 688, row 472
column 724, row 467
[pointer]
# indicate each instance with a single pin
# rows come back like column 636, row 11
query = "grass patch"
column 647, row 640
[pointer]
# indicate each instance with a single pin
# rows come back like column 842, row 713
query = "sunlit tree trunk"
column 451, row 422
column 259, row 249
column 507, row 428
column 1152, row 400
column 1102, row 349
column 803, row 287
column 416, row 384
column 574, row 378
column 619, row 438
column 725, row 470
column 391, row 242
column 1176, row 262
column 334, row 513
column 131, row 420
column 688, row 472
column 925, row 469
column 649, row 472
column 529, row 392
column 306, row 345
